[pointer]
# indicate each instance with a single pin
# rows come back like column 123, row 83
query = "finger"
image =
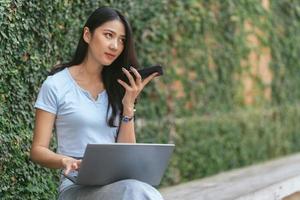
column 79, row 163
column 124, row 84
column 74, row 166
column 67, row 170
column 137, row 75
column 130, row 78
column 149, row 78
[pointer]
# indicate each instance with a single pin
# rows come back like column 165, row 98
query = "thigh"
column 77, row 192
column 121, row 190
column 131, row 189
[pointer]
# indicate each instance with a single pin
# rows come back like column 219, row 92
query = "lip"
column 109, row 55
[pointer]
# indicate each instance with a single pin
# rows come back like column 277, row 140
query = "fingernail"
column 123, row 68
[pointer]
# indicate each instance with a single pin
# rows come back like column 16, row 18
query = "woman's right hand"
column 70, row 164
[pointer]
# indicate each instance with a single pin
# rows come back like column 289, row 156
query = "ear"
column 86, row 34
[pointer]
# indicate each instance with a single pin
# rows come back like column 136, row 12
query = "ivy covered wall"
column 229, row 96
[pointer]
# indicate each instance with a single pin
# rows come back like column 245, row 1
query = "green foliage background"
column 200, row 108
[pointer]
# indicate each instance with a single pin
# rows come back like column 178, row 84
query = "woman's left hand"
column 134, row 88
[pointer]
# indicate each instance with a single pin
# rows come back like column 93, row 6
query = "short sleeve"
column 47, row 98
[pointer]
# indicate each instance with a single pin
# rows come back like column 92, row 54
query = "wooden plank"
column 294, row 196
column 270, row 180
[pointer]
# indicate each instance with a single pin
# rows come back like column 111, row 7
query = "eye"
column 122, row 40
column 108, row 35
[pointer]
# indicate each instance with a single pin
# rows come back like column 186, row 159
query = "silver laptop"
column 103, row 164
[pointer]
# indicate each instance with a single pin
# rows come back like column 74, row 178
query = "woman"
column 87, row 102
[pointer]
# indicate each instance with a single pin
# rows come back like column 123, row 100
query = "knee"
column 140, row 190
column 132, row 183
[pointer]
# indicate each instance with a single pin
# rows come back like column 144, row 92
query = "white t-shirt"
column 80, row 120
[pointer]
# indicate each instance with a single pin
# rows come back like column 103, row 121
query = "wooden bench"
column 272, row 180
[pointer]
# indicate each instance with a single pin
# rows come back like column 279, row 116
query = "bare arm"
column 40, row 152
column 127, row 132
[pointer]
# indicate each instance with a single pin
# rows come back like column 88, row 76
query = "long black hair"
column 110, row 73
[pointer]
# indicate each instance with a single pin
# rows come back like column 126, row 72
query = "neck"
column 90, row 69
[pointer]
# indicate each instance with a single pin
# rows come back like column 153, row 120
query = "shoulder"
column 57, row 82
column 58, row 78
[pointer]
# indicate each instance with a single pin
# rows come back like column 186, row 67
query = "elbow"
column 32, row 155
column 126, row 140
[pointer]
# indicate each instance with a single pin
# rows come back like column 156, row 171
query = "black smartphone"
column 145, row 72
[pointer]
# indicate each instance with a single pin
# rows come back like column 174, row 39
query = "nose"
column 114, row 45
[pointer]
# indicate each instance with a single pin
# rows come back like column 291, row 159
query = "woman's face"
column 107, row 42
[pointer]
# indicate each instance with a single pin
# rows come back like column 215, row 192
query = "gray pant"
column 122, row 190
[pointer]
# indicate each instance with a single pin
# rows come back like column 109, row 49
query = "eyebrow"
column 113, row 32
